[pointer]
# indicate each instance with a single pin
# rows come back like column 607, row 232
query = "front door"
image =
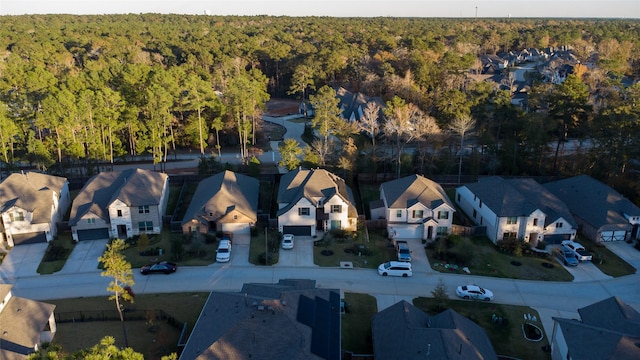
column 122, row 231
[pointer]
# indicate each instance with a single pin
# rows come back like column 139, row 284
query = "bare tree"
column 462, row 126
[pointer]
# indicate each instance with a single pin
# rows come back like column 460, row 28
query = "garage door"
column 297, row 230
column 29, row 238
column 613, row 235
column 406, row 231
column 240, row 229
column 556, row 239
column 93, row 234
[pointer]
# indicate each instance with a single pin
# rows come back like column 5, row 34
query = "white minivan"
column 395, row 268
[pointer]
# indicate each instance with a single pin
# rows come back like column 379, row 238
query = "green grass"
column 196, row 252
column 51, row 265
column 185, row 307
column 378, row 245
column 608, row 262
column 485, row 260
column 172, row 202
column 356, row 323
column 506, row 340
column 257, row 246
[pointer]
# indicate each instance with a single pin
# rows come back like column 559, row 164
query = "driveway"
column 625, row 251
column 22, row 261
column 84, row 257
column 300, row 255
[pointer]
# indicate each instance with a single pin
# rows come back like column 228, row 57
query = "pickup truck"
column 402, row 250
column 578, row 250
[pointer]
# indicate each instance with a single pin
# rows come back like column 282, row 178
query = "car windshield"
column 223, row 250
column 386, row 265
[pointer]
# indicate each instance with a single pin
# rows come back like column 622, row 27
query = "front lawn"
column 334, row 248
column 605, row 260
column 507, row 339
column 56, row 254
column 356, row 323
column 197, row 251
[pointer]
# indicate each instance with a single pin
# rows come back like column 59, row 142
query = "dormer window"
column 418, row 214
column 336, row 208
column 17, row 216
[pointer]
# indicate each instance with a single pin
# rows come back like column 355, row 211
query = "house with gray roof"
column 404, row 332
column 311, row 200
column 31, row 205
column 608, row 329
column 602, row 213
column 516, row 209
column 223, row 202
column 24, row 324
column 353, row 105
column 415, row 207
column 120, row 204
column 291, row 319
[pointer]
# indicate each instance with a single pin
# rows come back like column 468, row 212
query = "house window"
column 336, row 208
column 474, row 213
column 480, row 206
column 91, row 221
column 398, row 213
column 442, row 230
column 558, row 225
column 235, row 217
column 417, row 213
column 145, row 225
column 119, row 213
column 512, row 220
column 510, row 235
column 458, row 197
column 303, row 211
column 443, row 214
column 18, row 216
column 144, row 209
column 535, row 222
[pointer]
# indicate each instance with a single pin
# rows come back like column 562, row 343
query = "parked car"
column 474, row 292
column 164, row 267
column 223, row 254
column 395, row 268
column 565, row 256
column 287, row 241
column 402, row 250
column 578, row 250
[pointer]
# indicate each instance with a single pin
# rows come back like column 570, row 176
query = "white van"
column 395, row 268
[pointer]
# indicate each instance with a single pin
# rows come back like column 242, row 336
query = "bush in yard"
column 143, row 242
column 209, row 238
column 55, row 252
column 177, row 249
column 439, row 294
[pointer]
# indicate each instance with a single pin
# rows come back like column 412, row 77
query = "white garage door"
column 236, row 228
column 405, row 231
column 613, row 235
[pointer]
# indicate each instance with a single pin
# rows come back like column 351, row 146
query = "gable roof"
column 134, row 187
column 405, row 192
column 447, row 335
column 313, row 184
column 31, row 191
column 221, row 193
column 288, row 320
column 352, row 104
column 610, row 329
column 544, row 200
column 593, row 201
column 22, row 322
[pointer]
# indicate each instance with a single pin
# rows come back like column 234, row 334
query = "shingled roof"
column 31, row 191
column 289, row 320
column 405, row 192
column 403, row 331
column 134, row 187
column 221, row 193
column 594, row 202
column 313, row 184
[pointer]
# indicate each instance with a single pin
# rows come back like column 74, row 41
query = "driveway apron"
column 84, row 257
column 21, row 261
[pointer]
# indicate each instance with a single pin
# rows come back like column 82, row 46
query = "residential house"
column 415, row 208
column 24, row 324
column 291, row 319
column 31, row 205
column 517, row 209
column 223, row 202
column 311, row 200
column 404, row 332
column 608, row 329
column 353, row 105
column 120, row 204
column 602, row 213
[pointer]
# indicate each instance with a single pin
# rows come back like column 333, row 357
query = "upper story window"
column 17, row 216
column 304, row 211
column 480, row 206
column 91, row 221
column 336, row 208
column 535, row 222
column 512, row 220
column 418, row 213
column 119, row 213
column 398, row 213
column 144, row 209
column 558, row 225
column 443, row 214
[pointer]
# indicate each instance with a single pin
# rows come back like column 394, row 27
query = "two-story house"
column 311, row 200
column 415, row 208
column 31, row 205
column 120, row 204
column 516, row 209
column 223, row 202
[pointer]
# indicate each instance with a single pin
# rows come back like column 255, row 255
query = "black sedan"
column 164, row 267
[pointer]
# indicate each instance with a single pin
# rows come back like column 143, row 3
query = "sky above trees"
column 341, row 8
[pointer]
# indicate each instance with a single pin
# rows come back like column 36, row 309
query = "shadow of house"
column 291, row 319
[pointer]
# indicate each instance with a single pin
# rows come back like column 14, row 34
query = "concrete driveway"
column 84, row 257
column 300, row 255
column 22, row 261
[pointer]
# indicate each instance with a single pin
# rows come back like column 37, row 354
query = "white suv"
column 577, row 249
column 395, row 268
column 223, row 254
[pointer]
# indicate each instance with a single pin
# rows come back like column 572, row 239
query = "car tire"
column 465, row 297
column 384, row 274
column 487, row 299
column 404, row 275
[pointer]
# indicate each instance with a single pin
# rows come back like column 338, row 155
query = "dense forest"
column 88, row 89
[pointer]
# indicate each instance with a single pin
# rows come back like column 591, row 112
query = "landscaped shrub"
column 209, row 238
column 177, row 250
